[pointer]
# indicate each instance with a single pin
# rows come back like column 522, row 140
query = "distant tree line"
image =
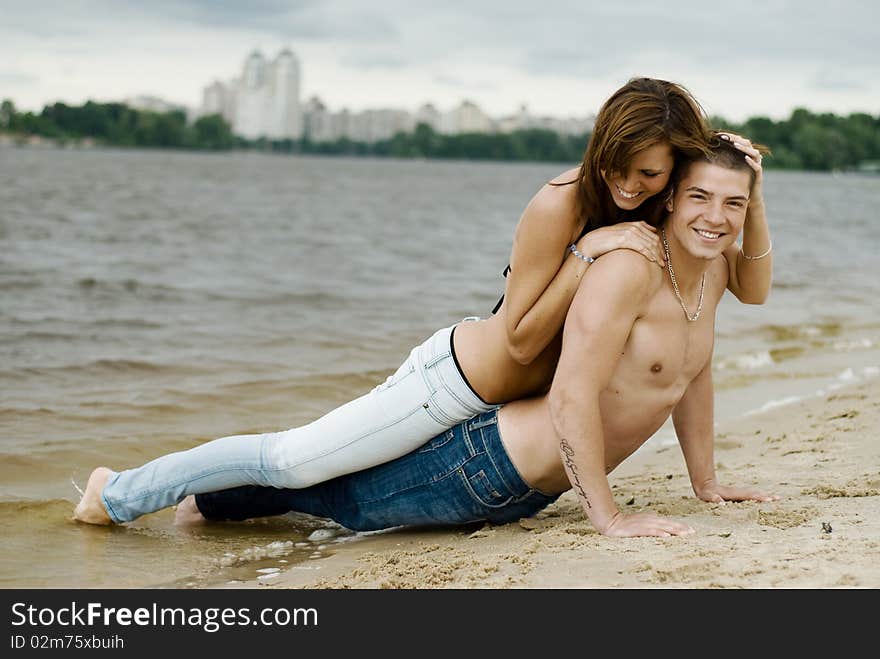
column 804, row 141
column 815, row 141
column 424, row 142
column 116, row 124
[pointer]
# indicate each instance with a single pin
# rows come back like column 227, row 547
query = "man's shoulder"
column 622, row 278
column 719, row 273
column 628, row 267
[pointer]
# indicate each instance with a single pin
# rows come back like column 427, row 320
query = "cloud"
column 456, row 82
column 286, row 19
column 568, row 53
column 374, row 60
column 289, row 19
column 836, row 81
column 17, row 78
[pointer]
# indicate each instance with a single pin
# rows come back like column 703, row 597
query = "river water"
column 155, row 300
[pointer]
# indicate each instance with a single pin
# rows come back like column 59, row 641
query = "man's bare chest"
column 665, row 349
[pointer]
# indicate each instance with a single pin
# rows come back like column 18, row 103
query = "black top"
column 501, row 299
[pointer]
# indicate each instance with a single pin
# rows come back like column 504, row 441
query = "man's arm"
column 694, row 420
column 609, row 300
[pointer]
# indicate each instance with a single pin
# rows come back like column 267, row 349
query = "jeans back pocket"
column 438, row 442
column 482, row 490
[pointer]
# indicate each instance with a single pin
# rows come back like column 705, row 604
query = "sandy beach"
column 820, row 455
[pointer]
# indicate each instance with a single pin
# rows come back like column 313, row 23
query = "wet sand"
column 820, row 455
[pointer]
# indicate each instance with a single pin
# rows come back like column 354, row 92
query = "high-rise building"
column 263, row 102
column 430, row 115
column 285, row 115
column 466, row 118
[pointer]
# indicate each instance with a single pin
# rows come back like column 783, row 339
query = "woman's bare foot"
column 188, row 513
column 90, row 508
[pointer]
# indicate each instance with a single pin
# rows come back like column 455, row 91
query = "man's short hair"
column 723, row 153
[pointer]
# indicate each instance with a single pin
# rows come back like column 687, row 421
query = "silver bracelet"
column 583, row 257
column 760, row 256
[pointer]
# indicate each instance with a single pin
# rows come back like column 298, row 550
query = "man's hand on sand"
column 716, row 493
column 644, row 524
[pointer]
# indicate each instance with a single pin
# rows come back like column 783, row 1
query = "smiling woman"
column 646, row 175
column 614, row 201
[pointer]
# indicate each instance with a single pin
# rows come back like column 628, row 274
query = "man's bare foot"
column 90, row 508
column 188, row 513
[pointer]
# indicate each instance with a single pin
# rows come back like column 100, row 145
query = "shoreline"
column 817, row 453
column 41, row 143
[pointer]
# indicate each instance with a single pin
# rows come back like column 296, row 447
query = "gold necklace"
column 675, row 283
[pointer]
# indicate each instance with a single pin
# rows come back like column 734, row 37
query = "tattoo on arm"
column 568, row 459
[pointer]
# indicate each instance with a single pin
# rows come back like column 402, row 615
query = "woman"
column 471, row 367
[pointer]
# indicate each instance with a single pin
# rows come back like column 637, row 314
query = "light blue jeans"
column 424, row 397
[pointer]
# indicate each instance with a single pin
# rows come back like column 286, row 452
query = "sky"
column 560, row 58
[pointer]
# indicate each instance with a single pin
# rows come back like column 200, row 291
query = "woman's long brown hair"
column 642, row 113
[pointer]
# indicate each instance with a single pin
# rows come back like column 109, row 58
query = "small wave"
column 782, row 354
column 109, row 366
column 40, row 335
column 846, row 377
column 277, row 549
column 789, row 285
column 130, row 285
column 343, row 381
column 305, row 300
column 119, row 289
column 13, row 284
column 746, row 362
column 850, row 376
column 792, row 332
column 855, row 344
column 125, row 365
column 780, row 402
column 36, row 413
column 127, row 323
column 121, row 408
column 34, row 507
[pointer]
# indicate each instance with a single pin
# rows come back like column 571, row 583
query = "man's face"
column 708, row 209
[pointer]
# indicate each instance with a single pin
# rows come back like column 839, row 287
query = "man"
column 637, row 347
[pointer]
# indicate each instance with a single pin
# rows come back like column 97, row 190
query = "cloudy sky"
column 562, row 58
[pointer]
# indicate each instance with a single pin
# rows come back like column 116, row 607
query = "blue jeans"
column 425, row 396
column 462, row 475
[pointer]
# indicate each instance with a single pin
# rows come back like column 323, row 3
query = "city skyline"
column 749, row 59
column 262, row 101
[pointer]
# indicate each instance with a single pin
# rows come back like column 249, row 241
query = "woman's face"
column 646, row 175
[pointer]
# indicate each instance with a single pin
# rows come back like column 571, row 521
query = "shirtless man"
column 636, row 347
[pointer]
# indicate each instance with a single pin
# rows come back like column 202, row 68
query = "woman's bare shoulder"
column 555, row 200
column 568, row 176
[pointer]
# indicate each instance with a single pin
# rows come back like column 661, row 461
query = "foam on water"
column 854, row 344
column 746, row 362
column 846, row 377
column 771, row 404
